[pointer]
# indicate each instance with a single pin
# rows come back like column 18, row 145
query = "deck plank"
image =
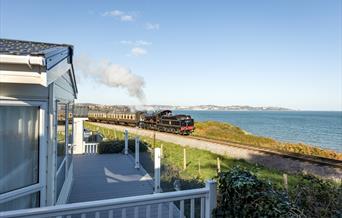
column 106, row 176
column 98, row 177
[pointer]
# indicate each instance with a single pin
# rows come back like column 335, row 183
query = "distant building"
column 37, row 92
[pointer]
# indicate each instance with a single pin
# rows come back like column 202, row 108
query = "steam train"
column 163, row 121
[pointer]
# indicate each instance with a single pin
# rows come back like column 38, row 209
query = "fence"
column 152, row 205
column 91, row 148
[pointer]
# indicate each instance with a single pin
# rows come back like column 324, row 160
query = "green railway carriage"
column 121, row 118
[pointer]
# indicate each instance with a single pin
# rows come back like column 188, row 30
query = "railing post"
column 137, row 164
column 126, row 141
column 156, row 170
column 210, row 201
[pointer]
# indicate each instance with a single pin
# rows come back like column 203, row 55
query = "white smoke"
column 111, row 75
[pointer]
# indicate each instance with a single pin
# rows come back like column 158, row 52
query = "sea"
column 318, row 128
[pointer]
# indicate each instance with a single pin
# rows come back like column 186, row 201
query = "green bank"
column 230, row 133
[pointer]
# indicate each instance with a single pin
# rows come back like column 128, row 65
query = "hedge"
column 116, row 146
column 107, row 147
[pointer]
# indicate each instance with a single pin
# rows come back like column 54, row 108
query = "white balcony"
column 110, row 186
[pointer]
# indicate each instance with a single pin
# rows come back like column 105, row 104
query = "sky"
column 258, row 53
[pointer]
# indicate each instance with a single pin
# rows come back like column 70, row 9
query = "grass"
column 230, row 133
column 192, row 177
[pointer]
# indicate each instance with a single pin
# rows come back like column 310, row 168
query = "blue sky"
column 259, row 53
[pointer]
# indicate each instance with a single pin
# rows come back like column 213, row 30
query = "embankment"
column 252, row 156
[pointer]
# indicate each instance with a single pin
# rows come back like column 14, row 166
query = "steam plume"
column 111, row 75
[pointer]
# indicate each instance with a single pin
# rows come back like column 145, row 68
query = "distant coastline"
column 219, row 108
column 190, row 108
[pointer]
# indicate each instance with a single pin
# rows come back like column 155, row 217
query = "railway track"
column 307, row 158
column 291, row 155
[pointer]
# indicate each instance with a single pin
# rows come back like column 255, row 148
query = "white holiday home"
column 37, row 92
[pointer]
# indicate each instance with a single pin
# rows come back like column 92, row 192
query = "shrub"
column 142, row 145
column 107, row 147
column 241, row 194
column 318, row 198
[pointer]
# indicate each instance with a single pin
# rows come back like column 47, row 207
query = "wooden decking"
column 108, row 176
column 98, row 177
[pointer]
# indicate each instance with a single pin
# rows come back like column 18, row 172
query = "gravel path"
column 268, row 160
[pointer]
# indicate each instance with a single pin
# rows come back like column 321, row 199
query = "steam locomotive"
column 163, row 121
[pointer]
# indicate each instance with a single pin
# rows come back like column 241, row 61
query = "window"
column 61, row 130
column 19, row 147
column 61, row 135
column 60, row 179
column 70, row 132
column 22, row 151
column 64, row 134
column 26, row 201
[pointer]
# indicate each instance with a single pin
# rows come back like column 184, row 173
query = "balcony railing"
column 152, row 205
column 90, row 148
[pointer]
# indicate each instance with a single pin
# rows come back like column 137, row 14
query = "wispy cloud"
column 135, row 43
column 123, row 16
column 151, row 26
column 138, row 51
column 127, row 18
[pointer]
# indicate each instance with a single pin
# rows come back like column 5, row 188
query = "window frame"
column 65, row 161
column 42, row 144
column 70, row 145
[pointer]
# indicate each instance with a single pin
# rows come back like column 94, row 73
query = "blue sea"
column 321, row 129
